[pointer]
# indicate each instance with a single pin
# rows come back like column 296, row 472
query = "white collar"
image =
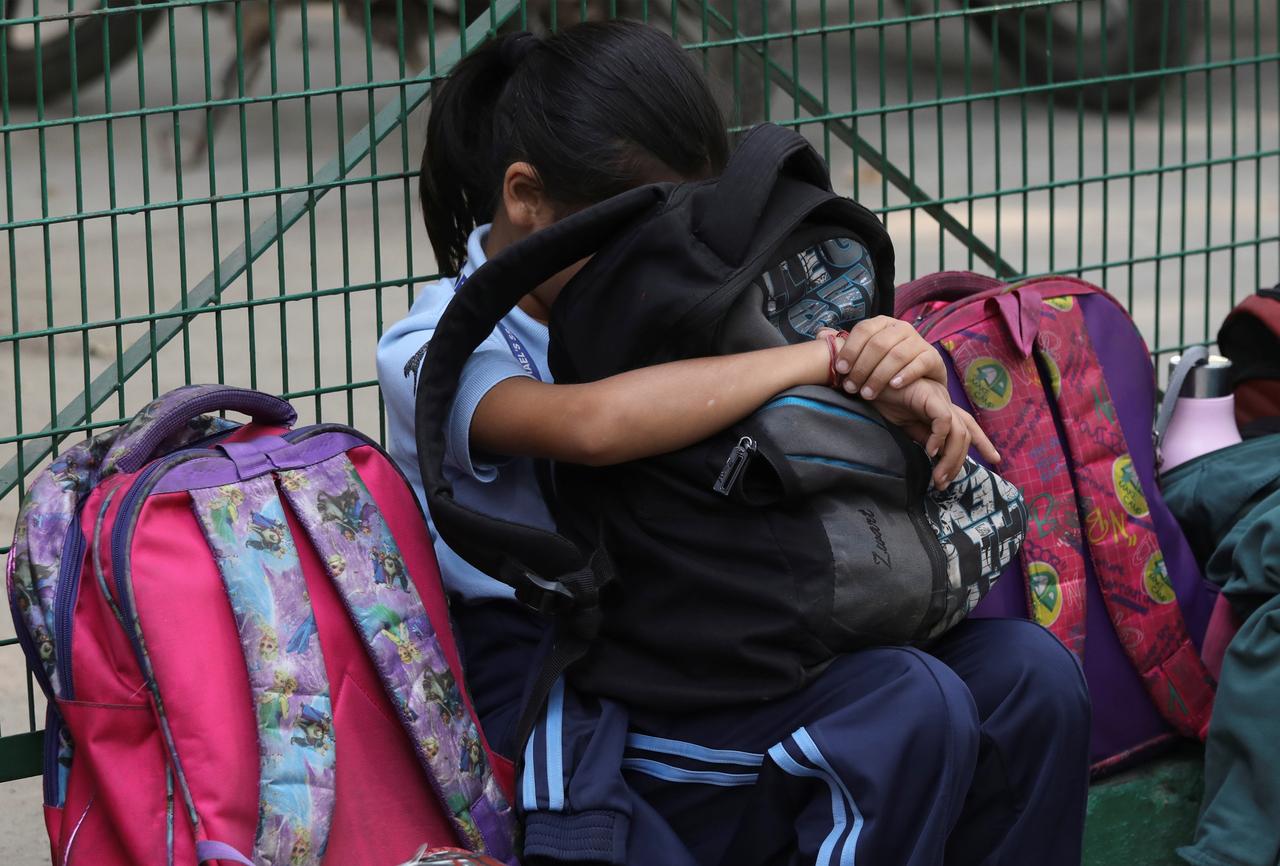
column 476, row 258
column 475, row 250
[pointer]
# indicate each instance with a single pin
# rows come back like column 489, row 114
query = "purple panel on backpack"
column 1124, row 719
column 247, row 460
column 1135, row 396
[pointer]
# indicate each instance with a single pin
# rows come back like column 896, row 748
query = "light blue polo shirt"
column 505, row 487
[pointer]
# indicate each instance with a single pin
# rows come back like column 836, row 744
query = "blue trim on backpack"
column 842, row 464
column 819, row 406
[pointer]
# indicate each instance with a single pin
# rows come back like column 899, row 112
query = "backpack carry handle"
column 728, row 223
column 547, row 570
column 168, row 414
column 944, row 286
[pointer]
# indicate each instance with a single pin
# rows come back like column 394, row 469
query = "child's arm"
column 658, row 409
column 641, row 412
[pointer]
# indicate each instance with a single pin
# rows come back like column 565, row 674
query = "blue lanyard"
column 523, row 358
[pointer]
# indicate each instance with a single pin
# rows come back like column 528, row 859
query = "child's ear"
column 526, row 203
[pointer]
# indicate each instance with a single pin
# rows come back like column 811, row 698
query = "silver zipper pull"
column 739, row 457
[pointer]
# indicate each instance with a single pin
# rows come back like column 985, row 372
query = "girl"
column 975, row 752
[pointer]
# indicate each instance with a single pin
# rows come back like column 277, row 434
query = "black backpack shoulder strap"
column 546, row 569
column 549, row 572
column 728, row 222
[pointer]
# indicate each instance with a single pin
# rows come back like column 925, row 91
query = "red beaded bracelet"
column 833, row 377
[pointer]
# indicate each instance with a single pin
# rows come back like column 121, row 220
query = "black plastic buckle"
column 547, row 597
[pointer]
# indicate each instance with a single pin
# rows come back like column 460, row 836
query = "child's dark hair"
column 596, row 109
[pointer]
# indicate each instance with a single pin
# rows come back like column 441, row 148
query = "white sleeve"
column 400, row 355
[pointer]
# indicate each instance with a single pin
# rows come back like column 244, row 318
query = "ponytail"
column 457, row 188
column 596, row 109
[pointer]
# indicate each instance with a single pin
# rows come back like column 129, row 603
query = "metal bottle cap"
column 1211, row 379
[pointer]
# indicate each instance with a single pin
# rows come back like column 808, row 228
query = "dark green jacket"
column 1228, row 502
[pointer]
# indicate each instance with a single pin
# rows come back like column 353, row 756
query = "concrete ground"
column 134, row 263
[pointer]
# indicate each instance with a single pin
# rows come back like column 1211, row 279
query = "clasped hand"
column 887, row 363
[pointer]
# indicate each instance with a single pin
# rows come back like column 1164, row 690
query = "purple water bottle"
column 1198, row 412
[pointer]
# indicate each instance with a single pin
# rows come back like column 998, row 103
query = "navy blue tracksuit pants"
column 975, row 752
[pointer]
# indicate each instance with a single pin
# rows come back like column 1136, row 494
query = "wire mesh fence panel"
column 225, row 190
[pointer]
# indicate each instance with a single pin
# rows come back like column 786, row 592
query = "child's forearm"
column 642, row 412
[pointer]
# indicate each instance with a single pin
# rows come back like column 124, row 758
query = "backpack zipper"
column 739, row 459
column 52, row 772
column 69, row 567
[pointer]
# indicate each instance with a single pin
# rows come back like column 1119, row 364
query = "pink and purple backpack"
column 1059, row 378
column 246, row 649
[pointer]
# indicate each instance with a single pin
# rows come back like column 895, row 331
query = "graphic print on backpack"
column 988, row 383
column 398, row 633
column 1045, row 586
column 981, row 522
column 346, row 510
column 828, row 285
column 258, row 560
column 1060, row 379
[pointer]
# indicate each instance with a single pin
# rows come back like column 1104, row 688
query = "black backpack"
column 736, row 569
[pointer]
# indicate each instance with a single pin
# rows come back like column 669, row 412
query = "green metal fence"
column 201, row 190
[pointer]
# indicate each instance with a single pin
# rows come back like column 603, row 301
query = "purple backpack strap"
column 340, row 516
column 246, row 528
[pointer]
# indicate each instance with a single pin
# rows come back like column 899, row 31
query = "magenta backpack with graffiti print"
column 246, row 649
column 1059, row 378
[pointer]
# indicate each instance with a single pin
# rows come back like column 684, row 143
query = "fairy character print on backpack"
column 245, row 526
column 336, row 509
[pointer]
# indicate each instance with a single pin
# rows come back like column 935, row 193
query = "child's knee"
column 1042, row 675
column 924, row 706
